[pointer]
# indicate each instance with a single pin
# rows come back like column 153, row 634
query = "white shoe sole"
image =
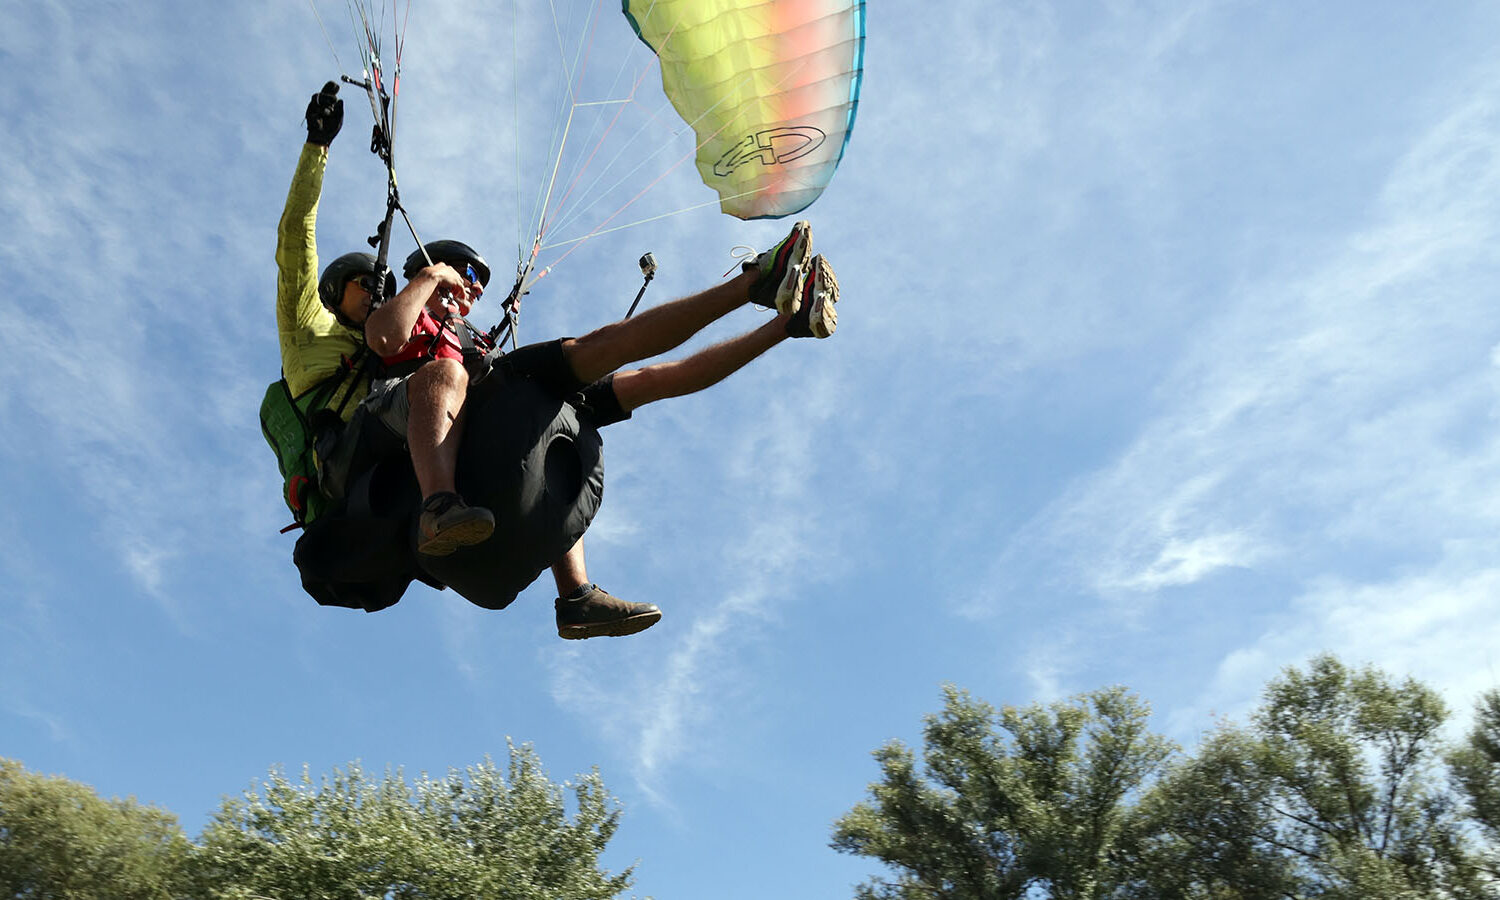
column 823, row 318
column 789, row 293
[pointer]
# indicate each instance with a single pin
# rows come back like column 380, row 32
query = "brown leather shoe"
column 447, row 523
column 599, row 614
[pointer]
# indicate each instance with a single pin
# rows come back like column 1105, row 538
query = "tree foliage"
column 60, row 841
column 1475, row 775
column 1007, row 800
column 477, row 833
column 1334, row 789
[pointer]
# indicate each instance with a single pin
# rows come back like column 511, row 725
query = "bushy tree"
column 1007, row 801
column 477, row 833
column 59, row 840
column 1475, row 768
column 1334, row 790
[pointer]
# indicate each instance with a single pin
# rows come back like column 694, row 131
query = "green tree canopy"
column 1006, row 801
column 1334, row 790
column 477, row 833
column 1475, row 774
column 59, row 840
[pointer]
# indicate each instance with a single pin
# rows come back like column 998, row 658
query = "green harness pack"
column 296, row 427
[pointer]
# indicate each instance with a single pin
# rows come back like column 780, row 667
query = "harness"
column 303, row 431
column 452, row 338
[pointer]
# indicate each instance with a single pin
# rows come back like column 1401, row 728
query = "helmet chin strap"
column 344, row 320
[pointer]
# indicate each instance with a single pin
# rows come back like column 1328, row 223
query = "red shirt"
column 421, row 343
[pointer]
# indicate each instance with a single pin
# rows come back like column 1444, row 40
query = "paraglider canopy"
column 771, row 90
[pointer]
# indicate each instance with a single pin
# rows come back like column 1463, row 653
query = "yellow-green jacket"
column 313, row 343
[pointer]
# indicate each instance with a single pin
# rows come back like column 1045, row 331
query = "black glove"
column 325, row 115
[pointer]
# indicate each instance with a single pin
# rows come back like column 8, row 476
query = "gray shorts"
column 388, row 405
column 543, row 363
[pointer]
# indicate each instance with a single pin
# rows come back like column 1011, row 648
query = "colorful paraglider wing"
column 770, row 87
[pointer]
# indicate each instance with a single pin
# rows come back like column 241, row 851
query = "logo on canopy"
column 771, row 147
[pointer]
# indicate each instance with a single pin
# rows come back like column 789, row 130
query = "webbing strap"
column 330, row 385
column 362, row 359
column 474, row 354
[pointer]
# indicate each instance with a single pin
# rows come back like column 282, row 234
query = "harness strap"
column 474, row 354
column 362, row 359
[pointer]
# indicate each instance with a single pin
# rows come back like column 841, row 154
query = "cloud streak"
column 1333, row 427
column 733, row 575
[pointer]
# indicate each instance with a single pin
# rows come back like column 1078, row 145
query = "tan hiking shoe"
column 447, row 523
column 599, row 614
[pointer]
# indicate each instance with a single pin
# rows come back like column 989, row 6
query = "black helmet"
column 455, row 253
column 344, row 270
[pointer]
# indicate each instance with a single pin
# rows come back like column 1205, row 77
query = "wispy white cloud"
column 1079, row 127
column 116, row 322
column 1438, row 626
column 33, row 632
column 1329, row 423
column 666, row 708
column 1186, row 561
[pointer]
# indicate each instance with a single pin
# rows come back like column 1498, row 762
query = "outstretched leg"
column 637, row 387
column 772, row 280
column 815, row 316
column 805, row 295
column 654, row 331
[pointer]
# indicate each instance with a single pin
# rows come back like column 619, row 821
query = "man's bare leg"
column 771, row 280
column 597, row 613
column 570, row 573
column 706, row 368
column 589, row 611
column 655, row 330
column 435, row 397
column 434, row 426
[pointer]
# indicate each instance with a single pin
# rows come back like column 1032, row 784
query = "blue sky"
column 1167, row 357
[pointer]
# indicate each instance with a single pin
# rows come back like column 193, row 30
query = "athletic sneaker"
column 781, row 270
column 447, row 523
column 598, row 614
column 815, row 315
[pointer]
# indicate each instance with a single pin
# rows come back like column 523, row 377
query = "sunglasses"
column 368, row 283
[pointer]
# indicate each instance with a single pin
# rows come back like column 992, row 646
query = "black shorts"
column 546, row 365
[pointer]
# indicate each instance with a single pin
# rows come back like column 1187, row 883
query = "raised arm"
column 296, row 239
